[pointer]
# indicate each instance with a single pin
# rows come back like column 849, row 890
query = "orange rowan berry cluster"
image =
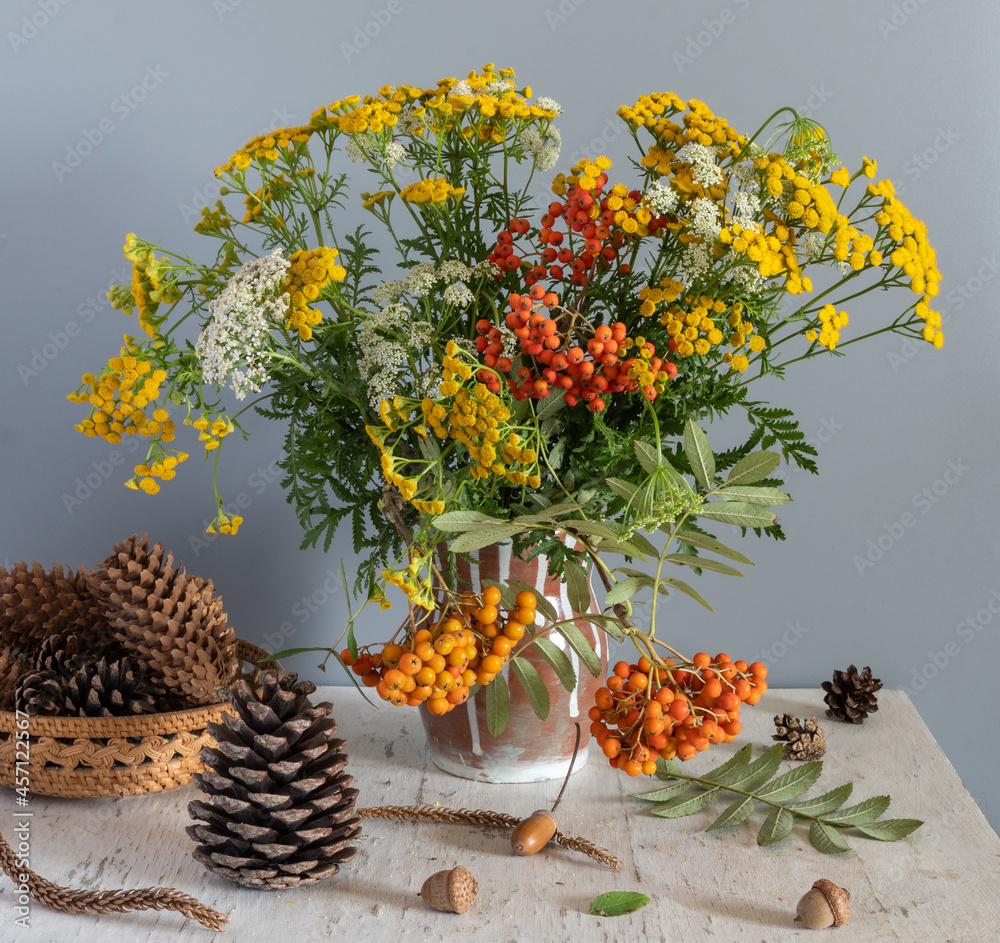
column 440, row 665
column 552, row 359
column 645, row 713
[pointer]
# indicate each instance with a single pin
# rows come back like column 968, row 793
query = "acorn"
column 452, row 891
column 825, row 905
column 534, row 833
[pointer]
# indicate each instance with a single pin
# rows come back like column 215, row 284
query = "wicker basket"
column 100, row 757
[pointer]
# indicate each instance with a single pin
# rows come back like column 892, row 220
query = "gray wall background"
column 901, row 429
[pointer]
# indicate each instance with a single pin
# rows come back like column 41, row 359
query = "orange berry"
column 680, row 709
column 665, row 696
column 685, row 751
column 701, row 660
column 653, row 709
column 712, row 689
column 458, row 658
column 409, row 663
column 424, row 651
column 501, row 645
column 622, row 669
column 730, row 701
column 345, row 657
column 371, row 678
column 733, row 728
column 422, row 635
column 514, row 630
column 426, row 675
column 643, row 665
column 459, row 695
column 484, row 677
column 526, row 599
column 758, row 669
column 437, row 662
column 438, row 705
column 637, row 681
column 492, row 664
column 612, row 747
column 753, row 697
column 526, row 614
column 487, row 615
column 742, row 687
column 649, row 767
column 444, row 644
column 603, row 699
column 391, row 655
column 491, row 596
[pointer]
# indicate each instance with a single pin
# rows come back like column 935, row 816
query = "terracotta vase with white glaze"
column 529, row 750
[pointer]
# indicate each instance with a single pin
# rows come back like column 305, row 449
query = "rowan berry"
column 492, row 664
column 487, row 615
column 426, row 675
column 439, row 705
column 622, row 669
column 491, row 596
column 526, row 615
column 701, row 660
column 758, row 669
column 437, row 661
column 514, row 630
column 346, row 658
column 408, row 663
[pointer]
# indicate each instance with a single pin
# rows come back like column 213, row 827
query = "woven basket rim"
column 137, row 725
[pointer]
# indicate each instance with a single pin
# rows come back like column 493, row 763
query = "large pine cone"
column 35, row 603
column 174, row 624
column 184, row 642
column 851, row 694
column 280, row 812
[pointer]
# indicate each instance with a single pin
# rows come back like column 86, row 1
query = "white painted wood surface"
column 941, row 885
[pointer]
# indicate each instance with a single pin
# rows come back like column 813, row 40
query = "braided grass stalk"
column 485, row 819
column 69, row 901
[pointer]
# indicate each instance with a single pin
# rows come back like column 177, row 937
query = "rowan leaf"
column 497, row 706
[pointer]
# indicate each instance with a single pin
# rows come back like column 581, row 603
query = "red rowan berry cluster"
column 645, row 713
column 604, row 221
column 552, row 357
column 466, row 646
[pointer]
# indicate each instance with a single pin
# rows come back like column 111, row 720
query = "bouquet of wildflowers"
column 528, row 373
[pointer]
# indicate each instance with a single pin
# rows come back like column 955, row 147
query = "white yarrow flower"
column 548, row 104
column 660, row 199
column 705, row 219
column 704, row 169
column 232, row 345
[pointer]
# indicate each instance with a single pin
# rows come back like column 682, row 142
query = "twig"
column 68, row 901
column 484, row 819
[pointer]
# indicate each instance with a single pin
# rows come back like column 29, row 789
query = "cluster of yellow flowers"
column 119, row 397
column 210, row 432
column 830, row 324
column 309, row 273
column 265, row 147
column 148, row 288
column 485, row 99
column 700, row 125
column 145, row 474
column 431, row 190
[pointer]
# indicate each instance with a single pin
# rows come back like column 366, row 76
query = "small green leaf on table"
column 616, row 903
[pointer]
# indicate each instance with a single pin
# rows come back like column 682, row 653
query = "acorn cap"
column 452, row 891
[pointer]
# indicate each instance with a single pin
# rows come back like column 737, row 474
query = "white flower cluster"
column 746, row 206
column 388, row 153
column 384, row 358
column 407, row 122
column 231, row 346
column 704, row 169
column 812, row 244
column 705, row 219
column 421, row 279
column 549, row 104
column 660, row 199
column 696, row 260
column 543, row 146
column 458, row 295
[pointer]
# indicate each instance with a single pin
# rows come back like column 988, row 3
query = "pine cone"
column 35, row 603
column 12, row 666
column 74, row 689
column 851, row 694
column 109, row 689
column 132, row 572
column 183, row 641
column 805, row 740
column 172, row 623
column 280, row 812
column 40, row 693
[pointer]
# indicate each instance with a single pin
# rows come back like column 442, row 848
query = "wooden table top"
column 940, row 884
